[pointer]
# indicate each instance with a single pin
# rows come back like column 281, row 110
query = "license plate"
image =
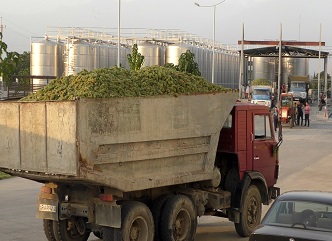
column 47, row 208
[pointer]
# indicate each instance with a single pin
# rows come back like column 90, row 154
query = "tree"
column 23, row 66
column 187, row 63
column 8, row 61
column 135, row 59
column 314, row 82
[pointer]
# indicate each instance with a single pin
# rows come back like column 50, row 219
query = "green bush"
column 4, row 175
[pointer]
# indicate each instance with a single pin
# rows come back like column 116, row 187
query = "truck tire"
column 48, row 229
column 98, row 234
column 136, row 222
column 251, row 212
column 291, row 121
column 62, row 233
column 178, row 220
column 111, row 234
column 156, row 209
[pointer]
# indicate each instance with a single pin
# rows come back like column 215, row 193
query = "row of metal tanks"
column 267, row 68
column 62, row 58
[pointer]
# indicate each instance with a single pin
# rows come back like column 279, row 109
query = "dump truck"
column 298, row 86
column 261, row 92
column 142, row 168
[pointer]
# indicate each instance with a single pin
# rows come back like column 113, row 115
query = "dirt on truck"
column 142, row 168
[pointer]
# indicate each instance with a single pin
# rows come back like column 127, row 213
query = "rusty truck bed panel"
column 125, row 143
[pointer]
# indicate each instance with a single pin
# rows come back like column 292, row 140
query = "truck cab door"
column 263, row 144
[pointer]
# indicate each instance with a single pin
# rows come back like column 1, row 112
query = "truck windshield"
column 297, row 87
column 261, row 95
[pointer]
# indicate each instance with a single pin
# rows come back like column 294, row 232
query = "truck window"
column 228, row 122
column 262, row 127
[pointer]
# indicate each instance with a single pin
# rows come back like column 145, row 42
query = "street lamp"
column 119, row 38
column 214, row 31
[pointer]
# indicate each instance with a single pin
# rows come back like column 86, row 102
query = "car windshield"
column 299, row 214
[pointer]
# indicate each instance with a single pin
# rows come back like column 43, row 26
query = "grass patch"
column 4, row 175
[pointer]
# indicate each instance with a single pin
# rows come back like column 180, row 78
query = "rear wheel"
column 111, row 234
column 178, row 220
column 137, row 222
column 251, row 212
column 157, row 208
column 72, row 229
column 48, row 229
column 98, row 234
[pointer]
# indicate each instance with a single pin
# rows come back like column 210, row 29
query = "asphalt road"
column 305, row 159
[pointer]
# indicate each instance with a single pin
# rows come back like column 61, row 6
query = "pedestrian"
column 299, row 113
column 275, row 118
column 248, row 90
column 322, row 102
column 306, row 114
column 273, row 103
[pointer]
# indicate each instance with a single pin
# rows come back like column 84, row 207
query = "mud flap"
column 48, row 209
column 108, row 215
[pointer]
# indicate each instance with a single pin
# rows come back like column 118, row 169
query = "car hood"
column 273, row 233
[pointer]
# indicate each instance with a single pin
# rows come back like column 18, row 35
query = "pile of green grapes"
column 119, row 82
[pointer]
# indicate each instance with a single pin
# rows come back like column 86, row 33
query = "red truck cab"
column 247, row 156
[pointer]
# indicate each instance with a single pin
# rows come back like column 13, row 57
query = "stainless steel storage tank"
column 79, row 56
column 124, row 51
column 174, row 51
column 263, row 68
column 294, row 66
column 46, row 59
column 267, row 68
column 112, row 55
column 153, row 53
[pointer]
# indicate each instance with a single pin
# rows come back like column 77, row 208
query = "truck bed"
column 124, row 143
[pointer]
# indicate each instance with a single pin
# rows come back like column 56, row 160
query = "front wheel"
column 251, row 212
column 291, row 122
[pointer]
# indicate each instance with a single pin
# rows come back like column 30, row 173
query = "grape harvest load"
column 120, row 82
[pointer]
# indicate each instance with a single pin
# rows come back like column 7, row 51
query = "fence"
column 21, row 86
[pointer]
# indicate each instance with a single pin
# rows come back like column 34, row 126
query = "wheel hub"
column 134, row 233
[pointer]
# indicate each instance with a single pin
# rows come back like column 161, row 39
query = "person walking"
column 299, row 114
column 306, row 114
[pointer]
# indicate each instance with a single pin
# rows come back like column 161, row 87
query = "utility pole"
column 1, row 28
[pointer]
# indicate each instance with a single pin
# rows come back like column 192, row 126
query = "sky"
column 305, row 20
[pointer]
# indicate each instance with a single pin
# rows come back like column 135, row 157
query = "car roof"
column 310, row 196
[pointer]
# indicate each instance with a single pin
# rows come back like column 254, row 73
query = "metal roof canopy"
column 286, row 51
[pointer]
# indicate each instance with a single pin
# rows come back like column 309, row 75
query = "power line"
column 14, row 31
column 19, row 27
